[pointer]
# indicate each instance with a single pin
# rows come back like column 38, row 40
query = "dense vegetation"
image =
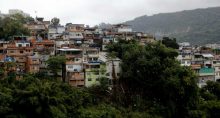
column 13, row 25
column 198, row 26
column 152, row 84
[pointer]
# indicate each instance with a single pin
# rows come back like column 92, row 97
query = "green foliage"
column 211, row 109
column 213, row 88
column 1, row 72
column 151, row 76
column 13, row 25
column 36, row 98
column 171, row 43
column 100, row 111
column 55, row 64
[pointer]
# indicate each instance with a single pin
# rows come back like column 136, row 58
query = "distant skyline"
column 93, row 12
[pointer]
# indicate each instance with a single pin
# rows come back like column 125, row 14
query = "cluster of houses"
column 84, row 48
column 204, row 60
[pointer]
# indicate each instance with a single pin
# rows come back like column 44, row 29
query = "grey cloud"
column 96, row 11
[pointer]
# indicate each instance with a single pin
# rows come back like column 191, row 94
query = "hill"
column 198, row 26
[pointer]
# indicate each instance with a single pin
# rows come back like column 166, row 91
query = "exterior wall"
column 61, row 42
column 93, row 75
column 75, row 79
column 75, row 27
column 33, row 64
column 203, row 79
column 216, row 65
column 124, row 29
column 22, row 44
column 19, row 52
column 104, row 47
column 33, row 68
column 60, row 29
column 43, row 59
column 109, row 69
column 91, row 54
column 55, row 32
column 75, row 35
column 52, row 30
column 74, row 68
column 206, row 74
column 107, row 40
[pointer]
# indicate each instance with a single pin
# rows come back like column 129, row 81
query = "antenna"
column 35, row 13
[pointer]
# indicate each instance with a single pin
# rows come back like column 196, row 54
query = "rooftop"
column 206, row 70
column 69, row 49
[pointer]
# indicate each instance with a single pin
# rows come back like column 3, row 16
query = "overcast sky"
column 93, row 12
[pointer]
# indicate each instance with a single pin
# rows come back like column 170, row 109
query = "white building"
column 112, row 66
column 55, row 31
column 121, row 28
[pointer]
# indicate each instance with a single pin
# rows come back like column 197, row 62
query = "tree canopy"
column 169, row 42
column 151, row 74
column 13, row 25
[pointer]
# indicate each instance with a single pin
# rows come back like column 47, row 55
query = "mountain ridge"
column 199, row 26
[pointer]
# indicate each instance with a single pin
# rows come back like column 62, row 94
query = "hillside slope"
column 198, row 26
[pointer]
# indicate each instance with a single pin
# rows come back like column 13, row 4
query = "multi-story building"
column 75, row 33
column 94, row 71
column 38, row 27
column 112, row 66
column 33, row 64
column 121, row 28
column 3, row 49
column 55, row 32
column 206, row 74
column 74, row 65
column 19, row 50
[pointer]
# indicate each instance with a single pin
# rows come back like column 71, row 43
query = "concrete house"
column 74, row 65
column 206, row 74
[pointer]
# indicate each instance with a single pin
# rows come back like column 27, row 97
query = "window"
column 107, row 74
column 118, row 74
column 19, row 45
column 70, row 67
column 77, row 59
column 89, row 79
column 75, row 69
column 11, row 51
column 27, row 45
column 96, row 73
column 21, row 51
column 95, row 59
column 97, row 79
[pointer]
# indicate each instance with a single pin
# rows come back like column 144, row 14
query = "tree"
column 55, row 21
column 13, row 25
column 170, row 42
column 55, row 64
column 151, row 76
column 32, row 97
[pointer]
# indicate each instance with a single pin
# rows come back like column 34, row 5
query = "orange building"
column 33, row 64
column 19, row 51
column 44, row 46
column 76, row 79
